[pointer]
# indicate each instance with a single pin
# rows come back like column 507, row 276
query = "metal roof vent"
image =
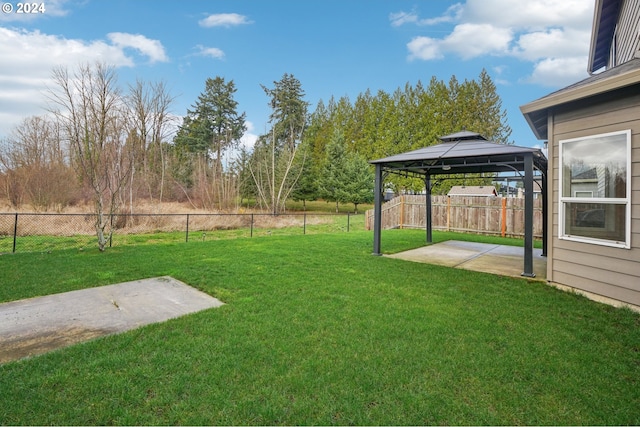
column 464, row 135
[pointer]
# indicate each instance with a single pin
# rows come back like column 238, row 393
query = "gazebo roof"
column 462, row 152
column 622, row 78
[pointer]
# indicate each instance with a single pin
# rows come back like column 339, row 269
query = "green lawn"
column 316, row 330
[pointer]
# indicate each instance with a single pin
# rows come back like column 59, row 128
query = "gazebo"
column 461, row 153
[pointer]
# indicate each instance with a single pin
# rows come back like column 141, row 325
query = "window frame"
column 565, row 200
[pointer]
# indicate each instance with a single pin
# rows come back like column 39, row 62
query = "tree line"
column 113, row 147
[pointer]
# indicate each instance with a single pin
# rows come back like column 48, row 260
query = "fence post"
column 503, row 217
column 187, row 234
column 251, row 235
column 448, row 213
column 15, row 232
column 401, row 225
column 348, row 220
column 304, row 224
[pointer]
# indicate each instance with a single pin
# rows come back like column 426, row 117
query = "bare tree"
column 272, row 166
column 36, row 165
column 273, row 173
column 90, row 109
column 9, row 178
column 149, row 105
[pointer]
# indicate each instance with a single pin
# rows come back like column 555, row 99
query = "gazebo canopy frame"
column 459, row 153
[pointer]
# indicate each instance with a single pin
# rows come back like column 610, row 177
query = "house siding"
column 607, row 271
column 627, row 35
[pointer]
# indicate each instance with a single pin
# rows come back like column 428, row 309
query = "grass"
column 316, row 330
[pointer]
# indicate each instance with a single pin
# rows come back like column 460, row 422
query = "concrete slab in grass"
column 449, row 253
column 489, row 258
column 37, row 325
column 504, row 266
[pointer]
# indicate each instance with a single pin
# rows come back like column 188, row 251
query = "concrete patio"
column 37, row 325
column 488, row 258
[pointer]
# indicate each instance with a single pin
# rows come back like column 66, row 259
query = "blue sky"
column 335, row 48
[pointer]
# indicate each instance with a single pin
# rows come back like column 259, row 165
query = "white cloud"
column 558, row 42
column 472, row 40
column 401, row 18
column 212, row 52
column 26, row 53
column 531, row 14
column 28, row 58
column 466, row 40
column 147, row 47
column 224, row 20
column 558, row 72
column 553, row 36
column 248, row 140
column 424, row 48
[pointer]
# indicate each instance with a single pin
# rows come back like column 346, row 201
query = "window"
column 595, row 189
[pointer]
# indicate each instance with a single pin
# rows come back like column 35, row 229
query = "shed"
column 472, row 190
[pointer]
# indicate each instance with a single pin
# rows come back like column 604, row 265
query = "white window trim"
column 563, row 200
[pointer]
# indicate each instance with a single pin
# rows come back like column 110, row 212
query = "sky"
column 335, row 48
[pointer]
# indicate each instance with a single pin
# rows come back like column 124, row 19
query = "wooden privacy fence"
column 485, row 215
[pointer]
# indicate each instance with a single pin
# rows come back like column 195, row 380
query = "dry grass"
column 142, row 207
column 55, row 225
column 147, row 218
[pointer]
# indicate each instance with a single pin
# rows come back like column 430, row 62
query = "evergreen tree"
column 316, row 135
column 213, row 125
column 246, row 185
column 333, row 178
column 412, row 117
column 492, row 114
column 210, row 128
column 306, row 188
column 289, row 110
column 360, row 180
column 346, row 177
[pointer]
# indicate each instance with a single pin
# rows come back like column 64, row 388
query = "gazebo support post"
column 528, row 216
column 377, row 210
column 429, row 218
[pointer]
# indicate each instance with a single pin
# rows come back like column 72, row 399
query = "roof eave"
column 605, row 18
column 563, row 97
column 597, row 14
column 539, row 132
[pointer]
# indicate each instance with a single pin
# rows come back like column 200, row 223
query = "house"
column 593, row 133
column 472, row 190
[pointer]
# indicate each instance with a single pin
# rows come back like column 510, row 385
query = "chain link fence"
column 43, row 232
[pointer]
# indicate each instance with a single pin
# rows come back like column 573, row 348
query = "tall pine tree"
column 213, row 125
